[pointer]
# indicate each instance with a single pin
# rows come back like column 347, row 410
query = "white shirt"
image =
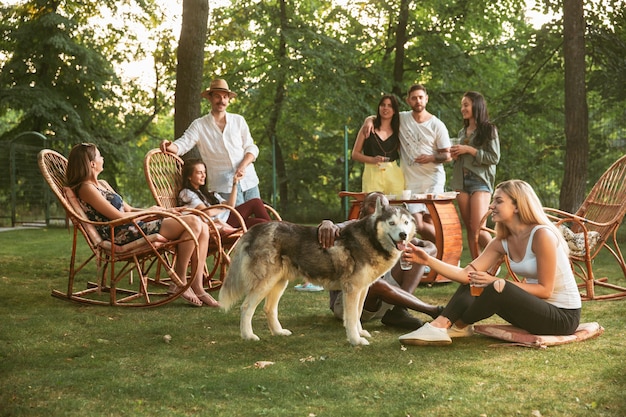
column 422, row 139
column 193, row 200
column 222, row 152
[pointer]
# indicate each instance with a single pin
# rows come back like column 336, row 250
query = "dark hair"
column 416, row 87
column 484, row 128
column 78, row 164
column 203, row 192
column 395, row 120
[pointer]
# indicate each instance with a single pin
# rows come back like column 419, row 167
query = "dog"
column 271, row 254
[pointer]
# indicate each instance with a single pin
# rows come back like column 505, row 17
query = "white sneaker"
column 466, row 331
column 426, row 335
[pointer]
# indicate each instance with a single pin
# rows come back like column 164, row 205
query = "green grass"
column 62, row 359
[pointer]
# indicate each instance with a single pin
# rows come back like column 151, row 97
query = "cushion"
column 576, row 241
column 519, row 337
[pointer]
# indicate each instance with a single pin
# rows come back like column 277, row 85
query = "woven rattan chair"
column 595, row 224
column 163, row 173
column 128, row 275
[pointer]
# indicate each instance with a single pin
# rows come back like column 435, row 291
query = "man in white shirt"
column 225, row 145
column 425, row 147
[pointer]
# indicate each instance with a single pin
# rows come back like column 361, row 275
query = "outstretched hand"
column 415, row 254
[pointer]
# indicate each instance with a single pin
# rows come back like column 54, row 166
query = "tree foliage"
column 59, row 75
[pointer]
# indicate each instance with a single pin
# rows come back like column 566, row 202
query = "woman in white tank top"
column 546, row 301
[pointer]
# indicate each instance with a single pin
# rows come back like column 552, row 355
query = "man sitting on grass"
column 389, row 297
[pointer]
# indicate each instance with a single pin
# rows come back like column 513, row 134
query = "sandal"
column 208, row 300
column 190, row 298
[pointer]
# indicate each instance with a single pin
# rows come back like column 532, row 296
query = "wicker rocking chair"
column 128, row 275
column 593, row 228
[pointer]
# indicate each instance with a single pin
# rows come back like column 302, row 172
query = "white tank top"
column 565, row 293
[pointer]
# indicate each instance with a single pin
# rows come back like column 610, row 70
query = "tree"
column 573, row 189
column 189, row 68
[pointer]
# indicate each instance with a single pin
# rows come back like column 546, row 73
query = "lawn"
column 62, row 359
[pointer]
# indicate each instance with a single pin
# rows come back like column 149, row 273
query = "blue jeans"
column 243, row 196
column 473, row 183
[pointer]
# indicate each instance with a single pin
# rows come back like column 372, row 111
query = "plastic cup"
column 475, row 291
column 406, row 194
column 405, row 265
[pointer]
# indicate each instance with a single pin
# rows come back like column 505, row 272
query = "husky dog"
column 271, row 254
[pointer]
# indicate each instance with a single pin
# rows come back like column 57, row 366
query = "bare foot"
column 208, row 300
column 227, row 230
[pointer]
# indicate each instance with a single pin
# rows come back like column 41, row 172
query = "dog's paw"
column 252, row 337
column 359, row 341
column 364, row 333
column 282, row 332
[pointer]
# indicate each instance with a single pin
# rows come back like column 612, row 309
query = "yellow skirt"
column 386, row 177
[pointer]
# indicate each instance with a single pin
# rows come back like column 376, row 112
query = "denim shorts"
column 473, row 183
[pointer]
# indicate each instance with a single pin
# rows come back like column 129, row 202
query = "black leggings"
column 514, row 305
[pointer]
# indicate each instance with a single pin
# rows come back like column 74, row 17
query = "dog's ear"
column 379, row 206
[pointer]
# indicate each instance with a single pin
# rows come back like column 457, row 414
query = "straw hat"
column 218, row 85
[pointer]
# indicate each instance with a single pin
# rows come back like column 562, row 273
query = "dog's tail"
column 236, row 282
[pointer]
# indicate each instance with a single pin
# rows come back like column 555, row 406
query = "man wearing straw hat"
column 225, row 145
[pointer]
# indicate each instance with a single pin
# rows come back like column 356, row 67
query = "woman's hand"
column 415, row 254
column 480, row 278
column 458, row 150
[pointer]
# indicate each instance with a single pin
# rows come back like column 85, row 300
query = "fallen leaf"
column 262, row 364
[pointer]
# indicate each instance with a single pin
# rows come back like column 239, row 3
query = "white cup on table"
column 406, row 194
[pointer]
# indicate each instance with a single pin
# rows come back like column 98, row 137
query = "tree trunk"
column 279, row 97
column 576, row 112
column 401, row 39
column 190, row 57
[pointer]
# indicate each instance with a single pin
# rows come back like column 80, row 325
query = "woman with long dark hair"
column 475, row 155
column 380, row 150
column 195, row 194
